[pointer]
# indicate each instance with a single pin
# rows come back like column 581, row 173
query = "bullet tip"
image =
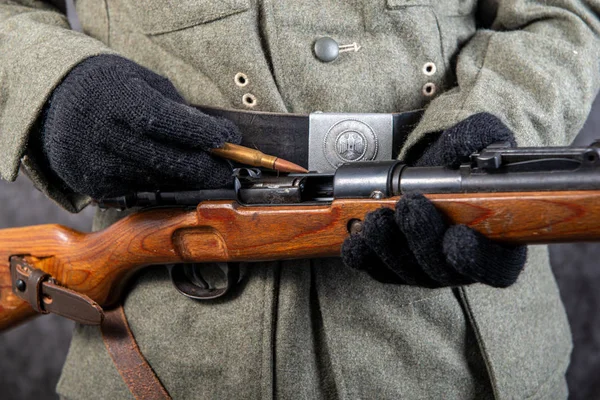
column 287, row 166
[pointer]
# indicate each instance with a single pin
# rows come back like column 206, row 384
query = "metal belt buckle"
column 339, row 138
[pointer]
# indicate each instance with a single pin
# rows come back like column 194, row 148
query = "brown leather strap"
column 34, row 281
column 125, row 353
column 45, row 296
column 70, row 304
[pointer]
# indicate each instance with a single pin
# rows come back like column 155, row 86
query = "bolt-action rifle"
column 515, row 195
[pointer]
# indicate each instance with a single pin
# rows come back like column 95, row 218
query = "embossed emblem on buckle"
column 348, row 141
column 336, row 139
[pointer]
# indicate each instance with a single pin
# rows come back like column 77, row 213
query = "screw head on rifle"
column 355, row 226
column 20, row 285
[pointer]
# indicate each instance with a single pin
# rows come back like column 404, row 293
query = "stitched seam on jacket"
column 477, row 77
column 107, row 23
column 480, row 341
column 268, row 341
column 274, row 54
column 441, row 39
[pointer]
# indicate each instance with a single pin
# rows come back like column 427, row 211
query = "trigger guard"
column 184, row 284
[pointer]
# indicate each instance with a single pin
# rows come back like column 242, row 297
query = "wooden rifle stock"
column 99, row 264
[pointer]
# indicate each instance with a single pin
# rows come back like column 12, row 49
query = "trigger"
column 189, row 280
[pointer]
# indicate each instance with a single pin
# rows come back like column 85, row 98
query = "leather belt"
column 288, row 135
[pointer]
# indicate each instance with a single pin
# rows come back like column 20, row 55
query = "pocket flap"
column 393, row 4
column 450, row 7
column 159, row 16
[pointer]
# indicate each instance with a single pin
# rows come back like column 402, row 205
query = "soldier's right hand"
column 112, row 127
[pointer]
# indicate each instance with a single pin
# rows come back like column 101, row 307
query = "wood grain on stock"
column 99, row 264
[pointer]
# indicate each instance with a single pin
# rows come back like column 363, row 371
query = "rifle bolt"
column 355, row 226
column 20, row 285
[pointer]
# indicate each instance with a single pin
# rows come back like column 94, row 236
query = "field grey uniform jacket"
column 310, row 329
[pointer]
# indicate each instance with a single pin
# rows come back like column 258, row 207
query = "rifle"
column 515, row 195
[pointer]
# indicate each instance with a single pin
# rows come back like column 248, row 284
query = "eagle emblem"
column 350, row 146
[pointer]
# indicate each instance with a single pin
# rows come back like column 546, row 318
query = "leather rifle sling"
column 127, row 357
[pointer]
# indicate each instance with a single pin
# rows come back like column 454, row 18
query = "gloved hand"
column 112, row 127
column 414, row 245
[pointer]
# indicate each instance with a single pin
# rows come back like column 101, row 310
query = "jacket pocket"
column 154, row 17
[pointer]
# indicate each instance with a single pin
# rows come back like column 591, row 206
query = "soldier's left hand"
column 414, row 245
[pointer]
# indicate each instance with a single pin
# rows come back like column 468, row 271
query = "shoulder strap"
column 131, row 364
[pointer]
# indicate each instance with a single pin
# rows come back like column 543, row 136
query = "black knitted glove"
column 112, row 127
column 414, row 245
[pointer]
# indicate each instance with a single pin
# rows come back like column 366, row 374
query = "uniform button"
column 327, row 49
